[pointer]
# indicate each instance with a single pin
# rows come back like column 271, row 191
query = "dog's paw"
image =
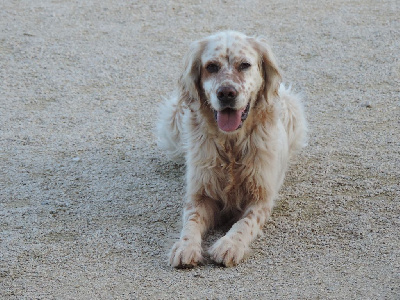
column 186, row 254
column 227, row 251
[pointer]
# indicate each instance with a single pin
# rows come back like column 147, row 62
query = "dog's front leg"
column 198, row 216
column 231, row 248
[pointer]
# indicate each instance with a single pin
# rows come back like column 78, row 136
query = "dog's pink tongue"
column 229, row 119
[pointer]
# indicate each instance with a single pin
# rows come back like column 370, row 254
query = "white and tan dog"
column 236, row 126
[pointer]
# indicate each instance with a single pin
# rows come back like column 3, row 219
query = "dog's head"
column 231, row 73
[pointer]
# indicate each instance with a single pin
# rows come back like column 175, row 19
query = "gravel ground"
column 89, row 206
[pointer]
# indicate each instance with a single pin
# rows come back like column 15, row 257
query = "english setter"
column 236, row 126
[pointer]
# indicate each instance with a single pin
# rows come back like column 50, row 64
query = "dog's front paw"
column 228, row 251
column 185, row 254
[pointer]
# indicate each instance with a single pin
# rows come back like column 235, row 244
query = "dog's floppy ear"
column 189, row 81
column 270, row 70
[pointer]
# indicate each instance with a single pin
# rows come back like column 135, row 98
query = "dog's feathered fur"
column 232, row 175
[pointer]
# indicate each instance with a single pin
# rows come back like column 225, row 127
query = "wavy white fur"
column 232, row 176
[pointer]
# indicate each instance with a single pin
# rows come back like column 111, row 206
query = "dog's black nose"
column 226, row 94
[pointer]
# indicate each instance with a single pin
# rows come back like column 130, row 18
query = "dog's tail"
column 294, row 119
column 169, row 128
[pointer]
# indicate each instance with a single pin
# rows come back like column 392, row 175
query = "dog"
column 236, row 126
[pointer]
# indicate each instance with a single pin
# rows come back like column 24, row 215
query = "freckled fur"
column 230, row 176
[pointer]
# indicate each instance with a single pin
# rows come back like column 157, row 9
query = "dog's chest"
column 231, row 170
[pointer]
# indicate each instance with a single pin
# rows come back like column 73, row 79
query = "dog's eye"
column 212, row 68
column 244, row 66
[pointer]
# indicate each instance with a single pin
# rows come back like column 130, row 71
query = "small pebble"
column 367, row 104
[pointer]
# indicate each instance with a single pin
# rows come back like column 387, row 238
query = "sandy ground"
column 89, row 206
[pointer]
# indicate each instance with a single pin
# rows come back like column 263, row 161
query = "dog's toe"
column 186, row 254
column 227, row 252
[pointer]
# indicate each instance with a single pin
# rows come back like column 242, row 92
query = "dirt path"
column 89, row 206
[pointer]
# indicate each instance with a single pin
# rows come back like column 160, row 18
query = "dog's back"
column 169, row 128
column 293, row 119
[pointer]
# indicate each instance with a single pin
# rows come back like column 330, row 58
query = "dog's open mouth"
column 230, row 119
